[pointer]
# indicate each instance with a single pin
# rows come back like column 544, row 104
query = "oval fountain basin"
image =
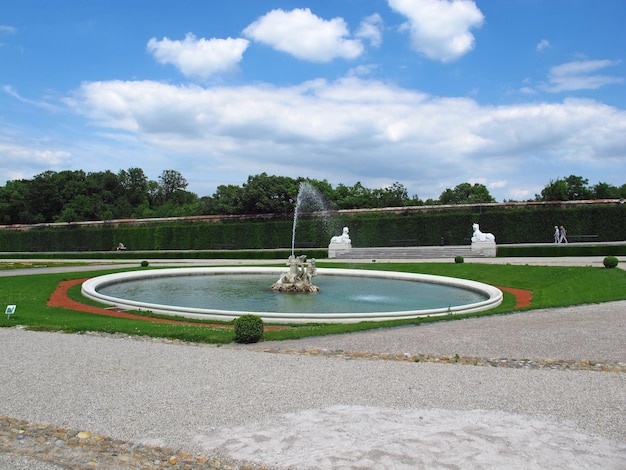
column 346, row 295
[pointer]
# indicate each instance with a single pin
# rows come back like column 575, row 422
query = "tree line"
column 71, row 196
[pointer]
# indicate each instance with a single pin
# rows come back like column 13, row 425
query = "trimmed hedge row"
column 510, row 225
column 278, row 254
column 570, row 249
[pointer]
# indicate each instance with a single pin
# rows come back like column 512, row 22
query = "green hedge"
column 368, row 229
column 279, row 254
column 570, row 249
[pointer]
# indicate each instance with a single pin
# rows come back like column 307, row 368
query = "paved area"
column 321, row 402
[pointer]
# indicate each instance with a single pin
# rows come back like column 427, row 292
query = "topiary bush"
column 144, row 264
column 610, row 262
column 459, row 259
column 248, row 329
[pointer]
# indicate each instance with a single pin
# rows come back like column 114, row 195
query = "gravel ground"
column 24, row 463
column 590, row 332
column 304, row 411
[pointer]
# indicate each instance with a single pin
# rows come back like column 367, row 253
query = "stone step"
column 416, row 252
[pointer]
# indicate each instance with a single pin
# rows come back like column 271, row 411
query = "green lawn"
column 551, row 286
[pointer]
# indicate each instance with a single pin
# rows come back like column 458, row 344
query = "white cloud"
column 440, row 29
column 525, row 193
column 304, row 35
column 199, row 57
column 580, row 75
column 362, row 70
column 358, row 130
column 9, row 90
column 497, row 184
column 543, row 44
column 35, row 155
column 5, row 29
column 371, row 29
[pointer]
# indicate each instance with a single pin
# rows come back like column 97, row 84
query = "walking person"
column 557, row 234
column 563, row 235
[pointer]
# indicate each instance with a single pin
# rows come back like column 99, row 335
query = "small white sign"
column 10, row 310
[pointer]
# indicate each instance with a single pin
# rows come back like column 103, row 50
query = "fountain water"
column 346, row 296
column 309, row 200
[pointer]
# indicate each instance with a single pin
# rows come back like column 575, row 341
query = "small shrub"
column 144, row 264
column 459, row 259
column 610, row 262
column 248, row 329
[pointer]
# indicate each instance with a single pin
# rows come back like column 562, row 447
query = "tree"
column 572, row 188
column 353, row 197
column 44, row 198
column 465, row 193
column 578, row 188
column 605, row 191
column 263, row 194
column 170, row 182
column 555, row 191
column 395, row 195
column 135, row 185
column 14, row 204
column 226, row 200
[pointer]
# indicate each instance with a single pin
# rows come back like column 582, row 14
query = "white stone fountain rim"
column 90, row 290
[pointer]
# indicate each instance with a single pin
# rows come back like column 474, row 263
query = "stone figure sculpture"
column 344, row 238
column 298, row 278
column 340, row 244
column 479, row 236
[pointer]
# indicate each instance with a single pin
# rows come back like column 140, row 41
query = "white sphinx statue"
column 479, row 236
column 340, row 243
column 343, row 238
column 483, row 243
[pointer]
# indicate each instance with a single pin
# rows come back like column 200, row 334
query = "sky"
column 511, row 94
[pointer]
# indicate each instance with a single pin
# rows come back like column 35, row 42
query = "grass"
column 551, row 286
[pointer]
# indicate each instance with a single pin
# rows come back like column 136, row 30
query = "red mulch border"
column 60, row 298
column 523, row 297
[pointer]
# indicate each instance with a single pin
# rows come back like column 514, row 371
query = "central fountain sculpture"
column 298, row 278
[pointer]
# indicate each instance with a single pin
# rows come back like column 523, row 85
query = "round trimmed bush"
column 610, row 262
column 144, row 264
column 459, row 259
column 248, row 329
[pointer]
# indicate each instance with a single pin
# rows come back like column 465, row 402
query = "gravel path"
column 232, row 405
column 589, row 332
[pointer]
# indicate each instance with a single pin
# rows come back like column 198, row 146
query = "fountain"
column 298, row 278
column 345, row 295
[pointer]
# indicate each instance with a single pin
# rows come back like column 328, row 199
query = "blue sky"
column 429, row 93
